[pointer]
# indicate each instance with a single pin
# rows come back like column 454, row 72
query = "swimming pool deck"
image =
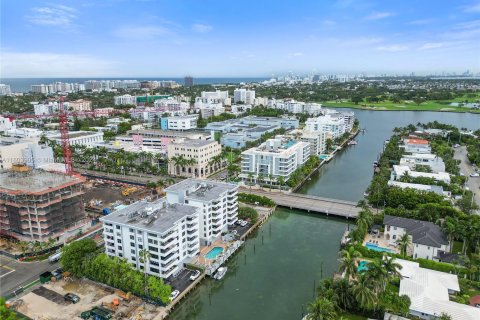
column 379, row 241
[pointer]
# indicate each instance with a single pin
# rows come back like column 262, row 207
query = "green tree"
column 6, row 313
column 363, row 292
column 444, row 316
column 144, row 255
column 404, row 242
column 74, row 255
column 348, row 261
column 321, row 309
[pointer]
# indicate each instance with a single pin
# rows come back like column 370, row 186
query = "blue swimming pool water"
column 362, row 266
column 212, row 254
column 374, row 247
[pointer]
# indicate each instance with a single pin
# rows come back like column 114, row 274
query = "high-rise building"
column 188, row 81
column 4, row 89
column 244, row 96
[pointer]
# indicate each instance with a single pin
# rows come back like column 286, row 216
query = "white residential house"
column 168, row 231
column 217, row 202
column 400, row 171
column 6, row 124
column 434, row 162
column 415, row 145
column 277, row 157
column 429, row 292
column 427, row 238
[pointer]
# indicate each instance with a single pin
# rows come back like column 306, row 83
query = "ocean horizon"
column 24, row 84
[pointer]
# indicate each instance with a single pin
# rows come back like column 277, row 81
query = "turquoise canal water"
column 272, row 277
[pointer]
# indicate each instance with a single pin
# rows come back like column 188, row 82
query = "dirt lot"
column 107, row 194
column 45, row 304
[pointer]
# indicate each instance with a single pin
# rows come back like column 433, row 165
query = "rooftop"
column 203, row 190
column 428, row 291
column 157, row 216
column 34, row 181
column 416, row 186
column 422, row 232
column 194, row 143
column 76, row 134
column 416, row 141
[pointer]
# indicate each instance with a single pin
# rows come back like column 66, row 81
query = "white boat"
column 352, row 143
column 220, row 273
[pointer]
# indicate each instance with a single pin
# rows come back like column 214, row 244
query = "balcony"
column 192, row 232
column 169, row 257
column 166, row 265
column 193, row 237
column 163, row 244
column 168, row 250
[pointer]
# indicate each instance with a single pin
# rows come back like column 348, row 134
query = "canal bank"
column 274, row 273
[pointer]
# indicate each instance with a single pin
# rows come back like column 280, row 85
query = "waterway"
column 273, row 275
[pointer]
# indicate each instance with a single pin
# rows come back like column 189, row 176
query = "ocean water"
column 24, row 84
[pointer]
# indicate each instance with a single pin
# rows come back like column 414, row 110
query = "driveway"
column 14, row 274
column 466, row 168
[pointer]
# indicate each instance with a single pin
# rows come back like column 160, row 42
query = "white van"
column 55, row 257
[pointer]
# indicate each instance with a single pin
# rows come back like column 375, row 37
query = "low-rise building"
column 160, row 139
column 415, row 145
column 47, row 108
column 435, row 163
column 429, row 292
column 6, row 124
column 24, row 132
column 85, row 138
column 217, row 202
column 4, row 89
column 36, row 156
column 426, row 237
column 168, row 231
column 125, row 99
column 273, row 159
column 400, row 171
column 420, row 187
column 193, row 158
column 182, row 123
column 80, row 105
column 11, row 151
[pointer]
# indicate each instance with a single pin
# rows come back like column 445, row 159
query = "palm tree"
column 321, row 309
column 250, row 177
column 260, row 179
column 404, row 242
column 343, row 296
column 363, row 293
column 271, row 178
column 144, row 258
column 365, row 219
column 348, row 262
column 376, row 275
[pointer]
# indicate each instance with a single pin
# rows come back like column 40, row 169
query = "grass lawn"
column 406, row 106
column 350, row 316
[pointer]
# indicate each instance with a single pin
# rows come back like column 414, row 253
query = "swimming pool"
column 212, row 254
column 374, row 247
column 362, row 266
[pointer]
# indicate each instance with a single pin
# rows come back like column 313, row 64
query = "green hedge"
column 253, row 198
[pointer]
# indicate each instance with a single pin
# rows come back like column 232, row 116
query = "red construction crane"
column 67, row 152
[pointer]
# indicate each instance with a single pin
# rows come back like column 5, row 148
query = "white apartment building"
column 400, row 171
column 292, row 106
column 432, row 161
column 181, row 123
column 316, row 140
column 348, row 117
column 24, row 132
column 211, row 110
column 6, row 124
column 244, row 95
column 277, row 157
column 125, row 99
column 217, row 202
column 200, row 154
column 4, row 89
column 85, row 138
column 426, row 237
column 41, row 109
column 329, row 125
column 168, row 231
column 35, row 155
column 11, row 151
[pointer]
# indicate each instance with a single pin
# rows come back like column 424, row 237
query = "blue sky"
column 155, row 38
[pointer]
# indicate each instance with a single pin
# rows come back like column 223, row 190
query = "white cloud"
column 431, row 45
column 421, row 22
column 297, row 54
column 141, row 32
column 359, row 42
column 202, row 28
column 43, row 64
column 53, row 15
column 393, row 48
column 474, row 8
column 379, row 15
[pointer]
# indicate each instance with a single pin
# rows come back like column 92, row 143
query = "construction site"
column 36, row 205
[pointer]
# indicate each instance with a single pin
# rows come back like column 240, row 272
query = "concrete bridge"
column 341, row 208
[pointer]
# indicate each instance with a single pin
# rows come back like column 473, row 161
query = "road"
column 14, row 274
column 466, row 168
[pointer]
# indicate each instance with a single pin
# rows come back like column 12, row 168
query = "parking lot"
column 181, row 281
column 240, row 230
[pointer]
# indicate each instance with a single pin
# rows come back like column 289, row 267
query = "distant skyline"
column 149, row 38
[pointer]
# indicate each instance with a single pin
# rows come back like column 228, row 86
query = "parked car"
column 195, row 275
column 174, row 294
column 239, row 222
column 55, row 257
column 475, row 175
column 73, row 298
column 243, row 223
column 57, row 273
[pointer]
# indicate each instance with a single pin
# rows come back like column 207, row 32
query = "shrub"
column 253, row 199
column 248, row 213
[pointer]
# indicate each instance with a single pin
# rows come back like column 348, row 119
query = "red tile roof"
column 416, row 141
